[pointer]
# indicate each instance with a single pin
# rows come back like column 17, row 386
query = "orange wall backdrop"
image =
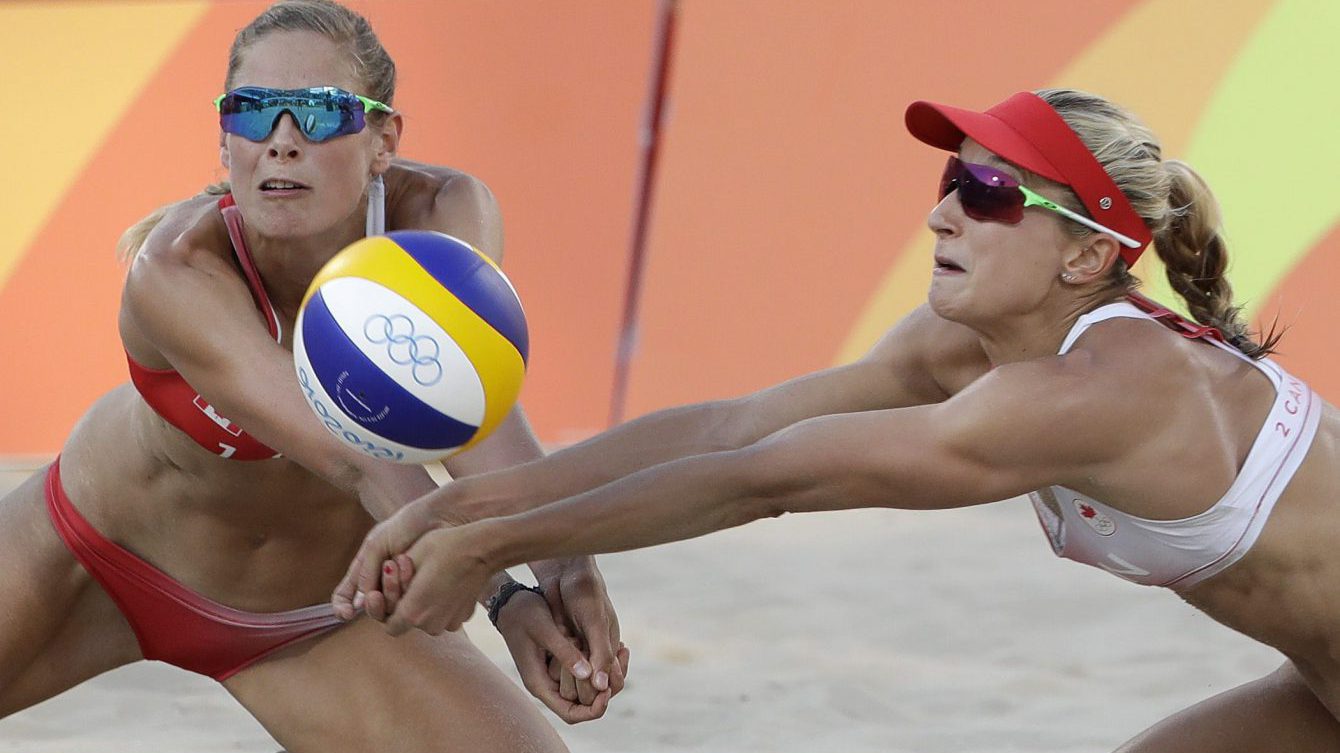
column 787, row 225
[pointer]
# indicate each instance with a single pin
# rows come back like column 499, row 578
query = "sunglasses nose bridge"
column 946, row 218
column 947, row 187
column 294, row 140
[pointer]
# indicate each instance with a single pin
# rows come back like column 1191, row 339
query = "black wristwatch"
column 509, row 589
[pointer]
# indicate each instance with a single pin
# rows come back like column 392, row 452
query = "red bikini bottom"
column 173, row 623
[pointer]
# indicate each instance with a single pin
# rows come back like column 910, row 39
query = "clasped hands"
column 420, row 569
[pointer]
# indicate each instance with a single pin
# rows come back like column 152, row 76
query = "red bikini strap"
column 1175, row 321
column 232, row 217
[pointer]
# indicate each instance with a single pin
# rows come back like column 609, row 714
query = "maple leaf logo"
column 1087, row 511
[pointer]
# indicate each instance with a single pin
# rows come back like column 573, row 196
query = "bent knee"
column 63, row 650
column 1273, row 713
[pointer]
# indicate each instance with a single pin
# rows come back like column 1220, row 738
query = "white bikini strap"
column 376, row 224
column 1119, row 309
column 1127, row 310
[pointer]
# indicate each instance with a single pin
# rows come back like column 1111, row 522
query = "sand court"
column 874, row 630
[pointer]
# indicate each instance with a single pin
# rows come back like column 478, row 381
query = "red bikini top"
column 172, row 398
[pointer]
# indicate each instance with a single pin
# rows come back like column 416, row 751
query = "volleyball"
column 411, row 346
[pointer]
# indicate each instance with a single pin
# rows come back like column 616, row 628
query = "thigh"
column 60, row 627
column 1275, row 713
column 358, row 689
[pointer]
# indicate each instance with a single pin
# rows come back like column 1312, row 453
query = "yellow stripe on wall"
column 1269, row 149
column 1162, row 59
column 1186, row 52
column 69, row 72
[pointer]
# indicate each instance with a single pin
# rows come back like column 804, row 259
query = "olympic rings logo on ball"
column 404, row 347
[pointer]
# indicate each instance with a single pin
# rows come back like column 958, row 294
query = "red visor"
column 1026, row 131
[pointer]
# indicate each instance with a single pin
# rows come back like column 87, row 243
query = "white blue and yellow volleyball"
column 411, row 346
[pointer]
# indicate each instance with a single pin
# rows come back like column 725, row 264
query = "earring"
column 1067, row 276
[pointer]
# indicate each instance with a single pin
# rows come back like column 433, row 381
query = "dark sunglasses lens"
column 320, row 116
column 328, row 114
column 318, row 124
column 989, row 194
column 245, row 116
column 253, row 125
column 345, row 119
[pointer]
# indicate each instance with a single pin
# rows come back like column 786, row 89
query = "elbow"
column 343, row 472
column 328, row 457
column 774, row 482
column 756, row 507
column 759, row 501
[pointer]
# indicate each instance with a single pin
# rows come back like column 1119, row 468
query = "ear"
column 1090, row 258
column 387, row 142
column 224, row 158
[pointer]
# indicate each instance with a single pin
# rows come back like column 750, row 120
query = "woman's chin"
column 946, row 304
column 282, row 226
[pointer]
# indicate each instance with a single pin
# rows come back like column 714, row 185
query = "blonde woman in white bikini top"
column 1166, row 451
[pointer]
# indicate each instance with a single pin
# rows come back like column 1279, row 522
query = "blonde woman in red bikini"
column 201, row 515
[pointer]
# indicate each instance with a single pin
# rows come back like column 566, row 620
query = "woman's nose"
column 947, row 217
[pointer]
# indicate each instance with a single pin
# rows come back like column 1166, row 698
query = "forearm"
column 511, row 445
column 828, row 463
column 383, row 488
column 678, row 500
column 642, row 443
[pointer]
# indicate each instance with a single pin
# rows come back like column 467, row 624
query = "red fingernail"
column 388, row 569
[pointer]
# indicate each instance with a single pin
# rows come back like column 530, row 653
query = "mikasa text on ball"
column 411, row 346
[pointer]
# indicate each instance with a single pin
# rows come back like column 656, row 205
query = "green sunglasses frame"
column 1034, row 199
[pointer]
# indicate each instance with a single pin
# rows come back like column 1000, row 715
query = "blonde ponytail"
column 1175, row 203
column 1191, row 245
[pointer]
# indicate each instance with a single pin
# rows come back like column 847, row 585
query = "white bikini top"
column 1182, row 553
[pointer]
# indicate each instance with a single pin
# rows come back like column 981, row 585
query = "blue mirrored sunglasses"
column 321, row 112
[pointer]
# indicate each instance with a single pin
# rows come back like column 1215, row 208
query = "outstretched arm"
column 923, row 360
column 1019, row 428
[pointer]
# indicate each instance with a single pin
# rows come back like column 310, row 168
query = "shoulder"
column 1056, row 419
column 433, row 197
column 408, row 180
column 1134, row 368
column 191, row 239
column 1141, row 354
column 1117, row 389
column 1078, row 383
column 189, row 229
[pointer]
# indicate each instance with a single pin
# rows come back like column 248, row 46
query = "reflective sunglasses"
column 987, row 194
column 321, row 112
